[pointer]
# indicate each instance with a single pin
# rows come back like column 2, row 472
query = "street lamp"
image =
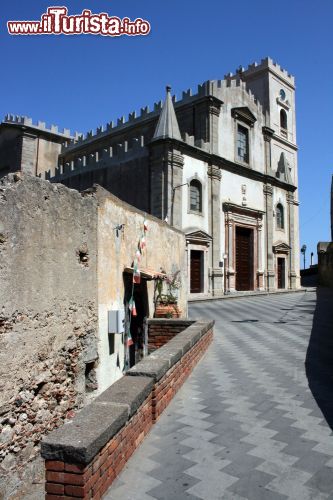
column 303, row 250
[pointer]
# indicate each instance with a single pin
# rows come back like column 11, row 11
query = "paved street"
column 253, row 420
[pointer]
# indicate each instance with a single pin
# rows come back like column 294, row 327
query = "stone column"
column 260, row 272
column 214, row 221
column 292, row 271
column 231, row 269
column 270, row 272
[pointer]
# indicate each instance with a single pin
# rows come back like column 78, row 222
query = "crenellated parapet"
column 219, row 87
column 266, row 63
column 41, row 126
column 104, row 157
column 209, row 88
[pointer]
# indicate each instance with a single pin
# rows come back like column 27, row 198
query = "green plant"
column 172, row 283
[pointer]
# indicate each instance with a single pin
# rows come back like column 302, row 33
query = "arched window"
column 195, row 196
column 279, row 216
column 283, row 120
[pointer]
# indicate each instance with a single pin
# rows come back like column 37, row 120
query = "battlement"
column 53, row 129
column 133, row 118
column 235, row 82
column 104, row 157
column 207, row 88
column 266, row 63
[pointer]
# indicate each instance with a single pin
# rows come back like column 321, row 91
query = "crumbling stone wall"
column 48, row 319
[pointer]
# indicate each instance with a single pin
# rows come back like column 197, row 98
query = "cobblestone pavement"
column 254, row 419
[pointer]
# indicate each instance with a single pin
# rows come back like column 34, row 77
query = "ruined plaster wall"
column 165, row 248
column 48, row 152
column 48, row 317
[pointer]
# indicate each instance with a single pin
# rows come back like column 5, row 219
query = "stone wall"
column 83, row 458
column 48, row 317
column 62, row 267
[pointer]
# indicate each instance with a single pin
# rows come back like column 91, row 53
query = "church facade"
column 219, row 164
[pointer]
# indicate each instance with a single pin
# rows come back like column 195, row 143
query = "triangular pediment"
column 198, row 235
column 244, row 114
column 281, row 247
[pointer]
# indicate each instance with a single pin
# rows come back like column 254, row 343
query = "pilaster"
column 207, row 112
column 270, row 273
column 260, row 272
column 175, row 171
column 29, row 149
column 268, row 134
column 231, row 264
column 166, row 174
column 292, row 271
column 214, row 221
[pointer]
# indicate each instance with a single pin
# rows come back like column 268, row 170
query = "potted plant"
column 166, row 304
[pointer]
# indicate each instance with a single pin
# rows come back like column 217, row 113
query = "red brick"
column 76, row 479
column 75, row 491
column 48, row 496
column 106, row 465
column 54, row 465
column 113, row 446
column 55, row 477
column 93, row 479
column 76, row 468
column 98, row 485
column 65, row 478
column 54, row 488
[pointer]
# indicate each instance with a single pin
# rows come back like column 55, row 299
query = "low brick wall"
column 84, row 456
column 161, row 330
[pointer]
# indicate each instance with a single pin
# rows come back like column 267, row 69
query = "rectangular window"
column 195, row 196
column 242, row 144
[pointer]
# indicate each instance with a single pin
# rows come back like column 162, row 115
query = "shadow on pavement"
column 319, row 356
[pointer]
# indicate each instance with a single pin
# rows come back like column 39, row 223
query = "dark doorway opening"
column 281, row 272
column 136, row 324
column 244, row 258
column 196, row 271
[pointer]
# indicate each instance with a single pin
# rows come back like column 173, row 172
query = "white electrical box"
column 116, row 321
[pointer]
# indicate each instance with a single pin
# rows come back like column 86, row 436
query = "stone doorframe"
column 281, row 249
column 235, row 215
column 201, row 241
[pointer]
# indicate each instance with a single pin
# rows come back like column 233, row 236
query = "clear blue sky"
column 81, row 82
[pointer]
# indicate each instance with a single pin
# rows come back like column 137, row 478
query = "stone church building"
column 219, row 164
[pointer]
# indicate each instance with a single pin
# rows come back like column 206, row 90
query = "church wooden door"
column 244, row 259
column 196, row 274
column 281, row 272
